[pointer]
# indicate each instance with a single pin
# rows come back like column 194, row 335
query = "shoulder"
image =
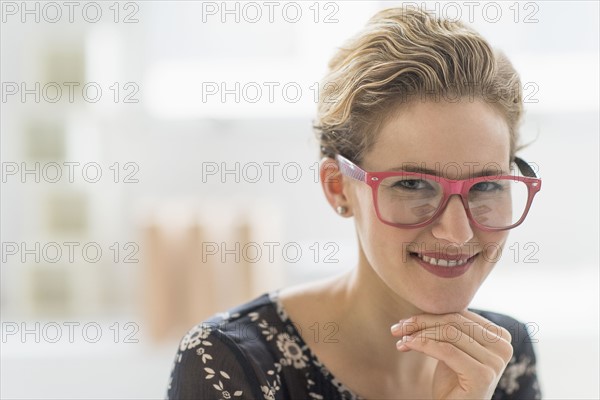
column 226, row 355
column 519, row 379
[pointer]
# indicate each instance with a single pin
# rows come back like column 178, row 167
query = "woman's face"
column 458, row 140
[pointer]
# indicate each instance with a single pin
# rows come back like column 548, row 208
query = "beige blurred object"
column 44, row 139
column 201, row 260
column 182, row 285
column 49, row 290
column 65, row 63
column 235, row 270
column 67, row 213
column 164, row 281
column 198, row 279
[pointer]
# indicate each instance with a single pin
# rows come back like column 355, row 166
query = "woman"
column 418, row 126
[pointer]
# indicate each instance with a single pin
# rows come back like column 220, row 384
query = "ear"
column 332, row 182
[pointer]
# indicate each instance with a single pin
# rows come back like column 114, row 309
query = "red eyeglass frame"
column 449, row 186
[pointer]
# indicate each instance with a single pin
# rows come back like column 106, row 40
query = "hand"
column 472, row 352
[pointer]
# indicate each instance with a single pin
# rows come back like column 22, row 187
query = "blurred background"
column 159, row 166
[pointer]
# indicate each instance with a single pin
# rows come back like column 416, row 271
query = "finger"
column 500, row 331
column 452, row 336
column 480, row 329
column 466, row 323
column 472, row 375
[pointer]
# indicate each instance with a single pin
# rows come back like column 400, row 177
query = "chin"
column 444, row 306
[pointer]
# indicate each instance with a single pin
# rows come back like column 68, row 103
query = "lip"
column 445, row 272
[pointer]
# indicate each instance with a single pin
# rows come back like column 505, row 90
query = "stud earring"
column 341, row 210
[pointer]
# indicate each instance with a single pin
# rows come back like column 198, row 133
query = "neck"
column 363, row 309
column 366, row 308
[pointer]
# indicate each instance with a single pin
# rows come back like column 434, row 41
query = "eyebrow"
column 411, row 167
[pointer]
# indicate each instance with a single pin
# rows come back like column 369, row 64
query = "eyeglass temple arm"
column 524, row 167
column 349, row 170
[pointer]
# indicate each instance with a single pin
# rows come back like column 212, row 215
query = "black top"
column 254, row 351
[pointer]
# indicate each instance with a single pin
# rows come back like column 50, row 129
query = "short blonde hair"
column 400, row 55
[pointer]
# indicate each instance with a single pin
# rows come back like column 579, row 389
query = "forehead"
column 469, row 132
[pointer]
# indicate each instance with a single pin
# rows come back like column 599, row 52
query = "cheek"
column 367, row 222
column 361, row 201
column 368, row 226
column 377, row 239
column 492, row 244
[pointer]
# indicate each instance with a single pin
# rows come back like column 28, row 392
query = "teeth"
column 441, row 262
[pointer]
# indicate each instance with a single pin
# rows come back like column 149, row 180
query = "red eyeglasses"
column 413, row 199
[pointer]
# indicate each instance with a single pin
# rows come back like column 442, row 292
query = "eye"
column 488, row 186
column 412, row 184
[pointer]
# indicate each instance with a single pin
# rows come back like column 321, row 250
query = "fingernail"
column 401, row 344
column 403, row 322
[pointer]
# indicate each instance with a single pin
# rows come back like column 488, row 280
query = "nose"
column 453, row 225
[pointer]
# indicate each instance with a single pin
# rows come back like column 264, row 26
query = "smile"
column 445, row 265
column 441, row 261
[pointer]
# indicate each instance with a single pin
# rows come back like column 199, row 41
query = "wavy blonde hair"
column 401, row 55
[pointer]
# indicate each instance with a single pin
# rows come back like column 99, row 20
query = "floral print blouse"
column 254, row 351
